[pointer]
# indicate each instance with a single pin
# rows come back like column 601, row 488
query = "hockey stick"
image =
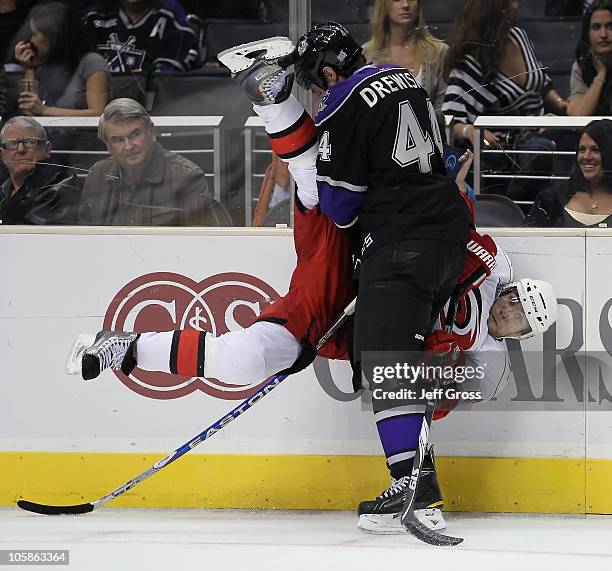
column 408, row 517
column 182, row 450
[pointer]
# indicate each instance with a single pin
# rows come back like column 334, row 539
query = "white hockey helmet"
column 539, row 304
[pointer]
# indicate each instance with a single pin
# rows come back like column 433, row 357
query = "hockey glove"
column 479, row 263
column 450, row 355
column 445, row 347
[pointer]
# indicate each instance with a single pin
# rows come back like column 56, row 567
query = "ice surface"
column 215, row 540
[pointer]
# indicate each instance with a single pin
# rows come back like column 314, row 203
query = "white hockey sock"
column 153, row 351
column 282, row 118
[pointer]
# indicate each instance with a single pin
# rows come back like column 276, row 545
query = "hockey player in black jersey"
column 380, row 167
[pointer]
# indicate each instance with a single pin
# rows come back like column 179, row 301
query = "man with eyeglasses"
column 141, row 183
column 37, row 191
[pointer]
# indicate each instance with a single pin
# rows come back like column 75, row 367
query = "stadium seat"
column 132, row 85
column 497, row 211
column 338, row 11
column 278, row 214
column 223, row 34
column 200, row 93
column 221, row 216
column 555, row 42
column 532, row 9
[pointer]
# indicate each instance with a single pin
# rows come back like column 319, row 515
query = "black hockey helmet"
column 327, row 43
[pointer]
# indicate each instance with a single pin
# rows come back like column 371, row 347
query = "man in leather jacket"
column 35, row 192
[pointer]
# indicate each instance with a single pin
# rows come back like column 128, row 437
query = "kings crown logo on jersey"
column 323, row 102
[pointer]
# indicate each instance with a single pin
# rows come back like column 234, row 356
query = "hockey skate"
column 260, row 69
column 108, row 349
column 382, row 515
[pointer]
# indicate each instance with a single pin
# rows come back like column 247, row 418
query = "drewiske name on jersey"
column 386, row 85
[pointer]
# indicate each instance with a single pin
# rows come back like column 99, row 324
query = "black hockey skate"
column 259, row 69
column 382, row 515
column 111, row 349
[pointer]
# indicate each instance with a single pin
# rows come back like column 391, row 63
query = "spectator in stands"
column 64, row 78
column 586, row 199
column 35, row 192
column 401, row 36
column 12, row 15
column 591, row 92
column 492, row 68
column 141, row 183
column 143, row 36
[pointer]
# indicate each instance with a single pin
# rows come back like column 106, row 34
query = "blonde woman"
column 400, row 36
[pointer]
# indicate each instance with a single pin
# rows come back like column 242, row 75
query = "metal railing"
column 210, row 124
column 510, row 123
column 254, row 126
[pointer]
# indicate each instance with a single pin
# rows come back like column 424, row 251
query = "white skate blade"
column 390, row 524
column 431, row 518
column 236, row 59
column 381, row 524
column 73, row 363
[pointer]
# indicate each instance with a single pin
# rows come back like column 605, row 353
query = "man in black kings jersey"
column 380, row 166
column 142, row 35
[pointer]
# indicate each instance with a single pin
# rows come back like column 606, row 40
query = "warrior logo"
column 167, row 302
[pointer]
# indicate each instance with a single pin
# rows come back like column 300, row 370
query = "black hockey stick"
column 204, row 435
column 408, row 517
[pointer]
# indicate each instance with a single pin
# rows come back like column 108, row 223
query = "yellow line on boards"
column 532, row 485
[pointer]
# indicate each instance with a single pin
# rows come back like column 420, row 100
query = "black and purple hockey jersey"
column 380, row 160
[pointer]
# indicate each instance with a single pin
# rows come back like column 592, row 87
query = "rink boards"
column 311, row 444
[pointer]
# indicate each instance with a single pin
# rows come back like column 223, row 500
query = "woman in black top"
column 586, row 199
column 591, row 92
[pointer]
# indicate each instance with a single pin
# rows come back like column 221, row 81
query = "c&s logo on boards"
column 165, row 301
